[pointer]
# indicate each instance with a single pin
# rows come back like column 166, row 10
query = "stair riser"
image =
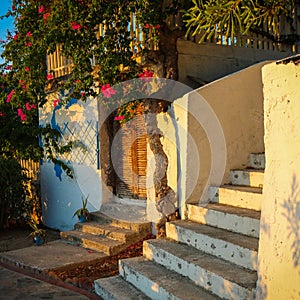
column 149, row 287
column 103, row 293
column 138, row 227
column 115, row 288
column 122, row 237
column 238, row 198
column 200, row 276
column 233, row 253
column 257, row 160
column 231, row 222
column 247, row 178
column 85, row 243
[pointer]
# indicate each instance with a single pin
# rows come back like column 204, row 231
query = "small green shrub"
column 15, row 207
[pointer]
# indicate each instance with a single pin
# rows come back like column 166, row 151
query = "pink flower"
column 81, row 2
column 41, row 9
column 29, row 34
column 29, row 106
column 147, row 26
column 9, row 67
column 28, row 44
column 13, row 7
column 9, row 96
column 16, row 36
column 82, row 94
column 27, row 69
column 75, row 26
column 107, row 91
column 77, row 80
column 157, row 26
column 119, row 118
column 49, row 76
column 55, row 102
column 46, row 16
column 146, row 74
column 23, row 84
column 21, row 114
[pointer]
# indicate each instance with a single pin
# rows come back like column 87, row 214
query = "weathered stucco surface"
column 208, row 61
column 173, row 125
column 237, row 102
column 279, row 249
column 61, row 195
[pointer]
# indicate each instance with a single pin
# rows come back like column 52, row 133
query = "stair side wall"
column 235, row 104
column 206, row 62
column 279, row 255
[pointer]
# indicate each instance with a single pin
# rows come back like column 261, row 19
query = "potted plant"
column 82, row 213
column 38, row 234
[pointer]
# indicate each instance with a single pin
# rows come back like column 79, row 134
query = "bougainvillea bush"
column 98, row 62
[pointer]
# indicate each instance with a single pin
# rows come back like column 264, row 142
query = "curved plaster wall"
column 62, row 195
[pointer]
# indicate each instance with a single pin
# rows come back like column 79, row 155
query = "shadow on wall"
column 292, row 213
column 261, row 288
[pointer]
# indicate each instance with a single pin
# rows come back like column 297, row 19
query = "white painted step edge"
column 209, row 280
column 228, row 251
column 225, row 220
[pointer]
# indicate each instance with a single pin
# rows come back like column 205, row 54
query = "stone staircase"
column 211, row 255
column 104, row 234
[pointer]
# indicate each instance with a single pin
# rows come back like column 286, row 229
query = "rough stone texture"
column 122, row 216
column 225, row 279
column 94, row 242
column 49, row 256
column 18, row 286
column 120, row 234
column 233, row 247
column 236, row 219
column 240, row 196
column 257, row 161
column 160, row 283
column 279, row 255
column 247, row 177
column 116, row 288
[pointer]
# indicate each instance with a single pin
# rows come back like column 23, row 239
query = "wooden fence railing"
column 31, row 168
column 59, row 65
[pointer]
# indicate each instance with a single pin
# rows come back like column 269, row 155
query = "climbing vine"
column 99, row 60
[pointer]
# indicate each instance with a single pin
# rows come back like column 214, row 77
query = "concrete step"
column 214, row 274
column 160, row 283
column 93, row 242
column 230, row 246
column 104, row 230
column 247, row 177
column 257, row 160
column 240, row 220
column 240, row 196
column 101, row 218
column 116, row 288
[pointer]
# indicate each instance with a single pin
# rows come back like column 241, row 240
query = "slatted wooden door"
column 131, row 182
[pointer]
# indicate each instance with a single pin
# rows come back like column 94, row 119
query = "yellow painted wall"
column 279, row 248
column 237, row 102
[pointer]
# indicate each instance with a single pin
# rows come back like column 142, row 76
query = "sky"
column 5, row 23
